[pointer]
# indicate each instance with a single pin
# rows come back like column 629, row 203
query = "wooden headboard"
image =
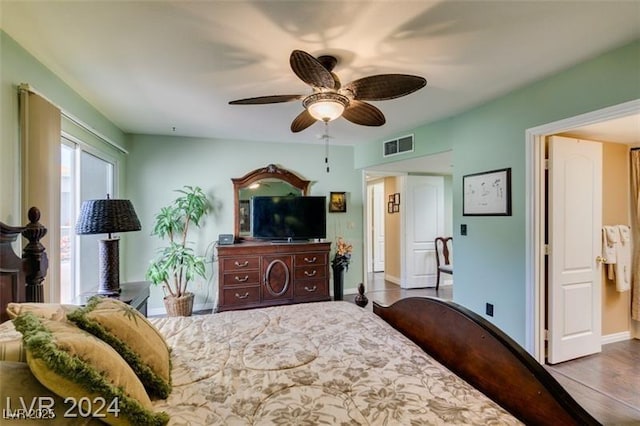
column 21, row 277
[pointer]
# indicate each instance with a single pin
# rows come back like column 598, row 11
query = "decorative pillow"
column 12, row 350
column 17, row 384
column 133, row 336
column 74, row 364
column 52, row 311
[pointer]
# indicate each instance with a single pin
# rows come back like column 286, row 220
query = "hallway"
column 386, row 292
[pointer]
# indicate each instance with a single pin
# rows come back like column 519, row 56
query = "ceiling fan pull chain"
column 326, row 144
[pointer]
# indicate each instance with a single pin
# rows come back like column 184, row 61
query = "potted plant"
column 177, row 264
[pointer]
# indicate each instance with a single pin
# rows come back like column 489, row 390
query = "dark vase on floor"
column 338, row 281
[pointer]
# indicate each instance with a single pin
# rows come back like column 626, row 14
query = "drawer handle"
column 241, row 265
column 241, row 280
column 310, row 290
column 244, row 296
column 311, row 274
column 312, row 260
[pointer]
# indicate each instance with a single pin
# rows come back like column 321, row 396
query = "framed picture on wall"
column 487, row 193
column 338, row 202
column 390, row 207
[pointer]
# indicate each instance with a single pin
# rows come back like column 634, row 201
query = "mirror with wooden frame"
column 271, row 181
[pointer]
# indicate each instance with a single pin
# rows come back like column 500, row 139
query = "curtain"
column 40, row 157
column 635, row 213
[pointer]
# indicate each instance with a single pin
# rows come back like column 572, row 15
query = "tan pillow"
column 17, row 382
column 74, row 364
column 133, row 337
column 52, row 311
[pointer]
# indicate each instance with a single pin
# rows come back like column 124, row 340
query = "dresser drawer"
column 311, row 289
column 241, row 295
column 241, row 278
column 307, row 272
column 240, row 263
column 313, row 258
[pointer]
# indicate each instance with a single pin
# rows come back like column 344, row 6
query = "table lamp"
column 106, row 217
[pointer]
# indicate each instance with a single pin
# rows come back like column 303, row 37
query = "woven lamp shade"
column 106, row 217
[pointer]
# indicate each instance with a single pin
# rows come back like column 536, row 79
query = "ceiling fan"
column 331, row 100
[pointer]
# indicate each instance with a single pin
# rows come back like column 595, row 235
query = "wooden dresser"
column 255, row 274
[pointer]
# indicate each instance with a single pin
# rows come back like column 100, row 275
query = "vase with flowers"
column 340, row 264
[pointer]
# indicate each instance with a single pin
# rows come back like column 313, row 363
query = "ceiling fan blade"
column 385, row 86
column 359, row 112
column 273, row 99
column 310, row 70
column 302, row 121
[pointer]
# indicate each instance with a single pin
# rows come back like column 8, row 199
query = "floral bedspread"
column 328, row 362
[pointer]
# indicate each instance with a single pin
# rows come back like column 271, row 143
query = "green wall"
column 490, row 260
column 159, row 164
column 17, row 66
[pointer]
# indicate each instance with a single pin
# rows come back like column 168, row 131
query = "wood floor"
column 607, row 384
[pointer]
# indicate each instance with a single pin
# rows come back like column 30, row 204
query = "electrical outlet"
column 463, row 229
column 489, row 309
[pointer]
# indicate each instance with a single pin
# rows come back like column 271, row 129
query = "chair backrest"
column 444, row 247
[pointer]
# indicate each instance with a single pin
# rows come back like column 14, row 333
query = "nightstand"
column 134, row 293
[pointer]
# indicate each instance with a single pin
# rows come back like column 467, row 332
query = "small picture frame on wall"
column 393, row 206
column 487, row 193
column 337, row 202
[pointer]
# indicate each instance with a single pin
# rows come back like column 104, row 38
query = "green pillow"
column 74, row 364
column 133, row 337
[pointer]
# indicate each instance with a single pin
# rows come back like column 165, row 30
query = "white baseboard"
column 391, row 278
column 616, row 337
column 161, row 311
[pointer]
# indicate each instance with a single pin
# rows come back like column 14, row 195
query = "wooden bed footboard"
column 486, row 358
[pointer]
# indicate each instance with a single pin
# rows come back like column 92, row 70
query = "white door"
column 378, row 211
column 575, row 223
column 423, row 209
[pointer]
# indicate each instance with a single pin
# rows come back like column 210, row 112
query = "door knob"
column 601, row 259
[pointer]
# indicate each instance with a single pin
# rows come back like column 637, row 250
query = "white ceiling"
column 152, row 66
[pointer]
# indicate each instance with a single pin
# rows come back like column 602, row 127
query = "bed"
column 335, row 363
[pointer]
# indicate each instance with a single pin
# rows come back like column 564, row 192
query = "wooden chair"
column 443, row 264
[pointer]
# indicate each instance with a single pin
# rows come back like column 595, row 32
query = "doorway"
column 395, row 241
column 535, row 215
column 375, row 226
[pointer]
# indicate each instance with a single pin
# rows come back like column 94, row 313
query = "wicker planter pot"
column 179, row 306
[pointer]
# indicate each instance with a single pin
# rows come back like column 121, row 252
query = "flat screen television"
column 288, row 218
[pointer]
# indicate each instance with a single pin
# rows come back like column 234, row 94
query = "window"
column 85, row 174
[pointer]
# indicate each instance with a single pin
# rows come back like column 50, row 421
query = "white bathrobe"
column 616, row 249
column 610, row 242
column 623, row 264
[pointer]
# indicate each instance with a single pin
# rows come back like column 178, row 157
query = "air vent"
column 398, row 146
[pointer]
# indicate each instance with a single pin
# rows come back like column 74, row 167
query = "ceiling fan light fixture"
column 325, row 106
